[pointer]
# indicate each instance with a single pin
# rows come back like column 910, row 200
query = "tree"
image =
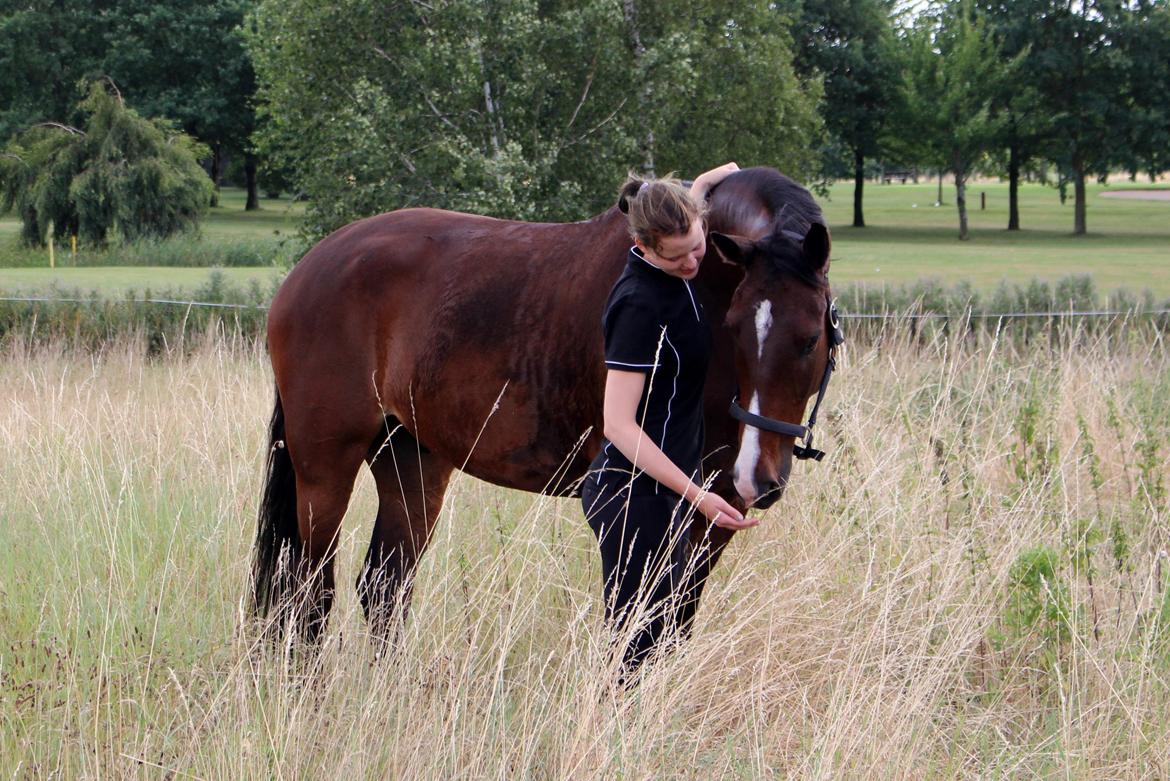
column 173, row 58
column 722, row 85
column 954, row 72
column 1143, row 36
column 122, row 175
column 850, row 44
column 46, row 48
column 1025, row 124
column 189, row 62
column 1079, row 72
column 531, row 109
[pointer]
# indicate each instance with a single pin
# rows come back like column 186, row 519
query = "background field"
column 908, row 240
column 972, row 584
column 245, row 245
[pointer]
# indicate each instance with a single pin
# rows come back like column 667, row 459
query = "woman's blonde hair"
column 658, row 207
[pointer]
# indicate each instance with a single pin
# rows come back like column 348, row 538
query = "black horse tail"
column 277, row 552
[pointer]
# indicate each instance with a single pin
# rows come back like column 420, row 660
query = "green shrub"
column 88, row 321
column 179, row 251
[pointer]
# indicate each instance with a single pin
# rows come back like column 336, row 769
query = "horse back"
column 481, row 336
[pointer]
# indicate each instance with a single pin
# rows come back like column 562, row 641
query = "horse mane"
column 791, row 204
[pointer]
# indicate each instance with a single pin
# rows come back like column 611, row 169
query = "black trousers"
column 643, row 560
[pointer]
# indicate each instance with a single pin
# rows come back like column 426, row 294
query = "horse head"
column 781, row 320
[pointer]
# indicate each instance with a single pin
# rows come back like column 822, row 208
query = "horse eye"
column 810, row 345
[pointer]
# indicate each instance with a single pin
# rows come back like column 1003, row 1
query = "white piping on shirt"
column 693, row 304
column 673, row 391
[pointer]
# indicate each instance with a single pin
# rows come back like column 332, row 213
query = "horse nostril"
column 771, row 489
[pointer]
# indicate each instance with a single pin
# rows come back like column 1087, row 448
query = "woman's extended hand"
column 722, row 514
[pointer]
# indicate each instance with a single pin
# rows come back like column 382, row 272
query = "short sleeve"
column 632, row 336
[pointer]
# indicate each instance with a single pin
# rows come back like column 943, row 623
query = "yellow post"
column 73, row 245
column 52, row 260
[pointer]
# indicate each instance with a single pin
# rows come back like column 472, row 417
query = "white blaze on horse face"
column 749, row 445
column 749, row 456
column 763, row 325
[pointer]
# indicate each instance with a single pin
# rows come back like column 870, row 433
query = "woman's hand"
column 708, row 179
column 719, row 512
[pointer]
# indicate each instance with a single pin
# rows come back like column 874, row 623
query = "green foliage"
column 46, row 48
column 89, row 321
column 954, row 73
column 175, row 252
column 1144, row 34
column 850, row 44
column 519, row 109
column 1038, row 605
column 122, row 176
column 187, row 62
column 171, row 58
column 1036, row 453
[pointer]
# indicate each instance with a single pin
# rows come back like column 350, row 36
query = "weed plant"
column 972, row 584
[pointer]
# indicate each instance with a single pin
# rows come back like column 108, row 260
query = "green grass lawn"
column 276, row 217
column 117, row 280
column 228, row 220
column 246, row 245
column 907, row 238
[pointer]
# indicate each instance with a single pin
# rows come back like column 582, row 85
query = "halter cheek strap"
column 803, row 434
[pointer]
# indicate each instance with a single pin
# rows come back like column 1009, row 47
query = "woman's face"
column 679, row 254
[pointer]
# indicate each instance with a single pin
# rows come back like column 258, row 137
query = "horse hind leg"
column 411, row 482
column 311, row 476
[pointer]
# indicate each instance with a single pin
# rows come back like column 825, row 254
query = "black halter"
column 803, row 449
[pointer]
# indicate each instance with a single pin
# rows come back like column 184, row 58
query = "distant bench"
column 901, row 176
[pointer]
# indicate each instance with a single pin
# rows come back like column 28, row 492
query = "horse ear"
column 734, row 249
column 816, row 247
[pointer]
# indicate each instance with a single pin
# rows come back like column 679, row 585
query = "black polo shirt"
column 654, row 324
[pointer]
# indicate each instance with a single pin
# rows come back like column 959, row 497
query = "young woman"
column 644, row 482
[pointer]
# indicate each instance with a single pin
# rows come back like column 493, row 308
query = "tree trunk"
column 253, row 202
column 961, row 202
column 1013, row 185
column 630, row 15
column 1079, row 227
column 858, row 187
column 938, row 201
column 215, row 169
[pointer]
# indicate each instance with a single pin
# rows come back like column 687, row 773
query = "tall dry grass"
column 972, row 584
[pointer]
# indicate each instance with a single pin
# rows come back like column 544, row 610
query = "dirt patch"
column 1138, row 195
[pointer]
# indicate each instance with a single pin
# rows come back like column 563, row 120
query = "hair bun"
column 631, row 188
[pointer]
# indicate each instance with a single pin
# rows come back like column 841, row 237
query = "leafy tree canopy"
column 174, row 58
column 120, row 175
column 520, row 108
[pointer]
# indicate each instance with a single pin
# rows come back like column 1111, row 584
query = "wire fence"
column 210, row 304
column 94, row 322
column 967, row 314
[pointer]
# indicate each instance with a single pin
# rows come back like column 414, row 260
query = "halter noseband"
column 803, row 450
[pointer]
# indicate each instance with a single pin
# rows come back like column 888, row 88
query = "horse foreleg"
column 411, row 483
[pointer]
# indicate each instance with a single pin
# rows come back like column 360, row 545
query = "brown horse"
column 423, row 341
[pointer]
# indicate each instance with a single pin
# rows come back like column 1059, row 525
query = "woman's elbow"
column 614, row 431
